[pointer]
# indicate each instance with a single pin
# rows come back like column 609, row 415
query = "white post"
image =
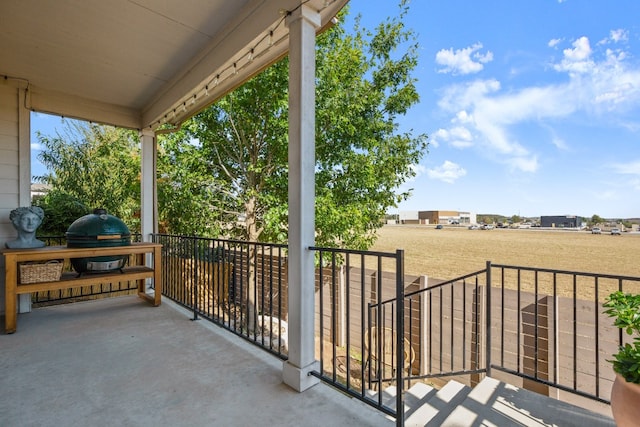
column 302, row 25
column 148, row 223
column 24, row 177
column 148, row 198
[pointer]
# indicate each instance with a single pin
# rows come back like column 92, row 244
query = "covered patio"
column 119, row 361
column 149, row 66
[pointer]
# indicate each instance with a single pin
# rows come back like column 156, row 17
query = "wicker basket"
column 40, row 272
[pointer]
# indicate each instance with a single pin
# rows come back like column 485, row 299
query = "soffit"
column 133, row 62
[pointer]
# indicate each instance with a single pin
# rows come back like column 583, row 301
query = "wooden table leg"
column 10, row 295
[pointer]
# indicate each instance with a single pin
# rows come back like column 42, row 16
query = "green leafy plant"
column 624, row 308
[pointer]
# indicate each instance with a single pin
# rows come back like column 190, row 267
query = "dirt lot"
column 454, row 251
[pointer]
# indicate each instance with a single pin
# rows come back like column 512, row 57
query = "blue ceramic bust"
column 26, row 221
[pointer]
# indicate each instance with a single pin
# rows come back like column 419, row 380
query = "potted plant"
column 624, row 308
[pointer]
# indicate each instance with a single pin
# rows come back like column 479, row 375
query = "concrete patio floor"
column 121, row 362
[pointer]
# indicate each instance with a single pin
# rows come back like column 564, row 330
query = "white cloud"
column 577, row 60
column 419, row 170
column 559, row 143
column 463, row 117
column 619, row 35
column 597, row 84
column 448, row 172
column 36, row 146
column 554, row 42
column 458, row 136
column 524, row 163
column 461, row 137
column 463, row 61
column 463, row 96
column 616, row 36
column 631, row 168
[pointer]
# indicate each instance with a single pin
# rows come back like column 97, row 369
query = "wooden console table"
column 71, row 279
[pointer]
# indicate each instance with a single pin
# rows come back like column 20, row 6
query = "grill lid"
column 98, row 226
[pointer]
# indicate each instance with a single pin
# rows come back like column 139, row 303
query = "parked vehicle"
column 473, row 227
column 615, row 232
column 488, row 227
column 596, row 230
column 439, row 227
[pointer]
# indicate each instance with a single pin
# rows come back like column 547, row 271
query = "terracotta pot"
column 625, row 402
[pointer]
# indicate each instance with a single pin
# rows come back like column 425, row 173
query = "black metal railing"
column 357, row 350
column 533, row 325
column 240, row 286
column 451, row 327
column 231, row 282
column 528, row 325
column 549, row 328
column 536, row 325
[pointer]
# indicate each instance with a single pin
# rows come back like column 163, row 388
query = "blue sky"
column 531, row 107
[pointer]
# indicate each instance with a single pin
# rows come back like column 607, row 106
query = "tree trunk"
column 252, row 236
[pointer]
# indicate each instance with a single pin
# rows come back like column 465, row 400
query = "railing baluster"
column 596, row 313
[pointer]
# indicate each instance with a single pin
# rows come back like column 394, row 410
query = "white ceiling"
column 137, row 63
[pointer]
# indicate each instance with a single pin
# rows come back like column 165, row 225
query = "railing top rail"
column 448, row 282
column 355, row 252
column 233, row 241
column 580, row 273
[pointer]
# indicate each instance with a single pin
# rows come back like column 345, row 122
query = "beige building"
column 436, row 217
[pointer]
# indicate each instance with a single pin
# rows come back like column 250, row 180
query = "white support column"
column 148, row 199
column 302, row 25
column 24, row 177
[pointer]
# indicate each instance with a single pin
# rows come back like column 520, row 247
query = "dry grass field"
column 454, row 251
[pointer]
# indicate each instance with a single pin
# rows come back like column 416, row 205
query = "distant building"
column 408, row 217
column 436, row 217
column 560, row 221
column 467, row 218
column 38, row 190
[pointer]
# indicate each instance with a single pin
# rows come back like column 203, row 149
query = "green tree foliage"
column 61, row 210
column 595, row 220
column 186, row 189
column 241, row 145
column 90, row 166
column 364, row 84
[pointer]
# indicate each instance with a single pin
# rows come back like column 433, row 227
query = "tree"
column 364, row 84
column 596, row 219
column 90, row 166
column 61, row 209
column 186, row 189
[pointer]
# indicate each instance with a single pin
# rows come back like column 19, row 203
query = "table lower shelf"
column 72, row 280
